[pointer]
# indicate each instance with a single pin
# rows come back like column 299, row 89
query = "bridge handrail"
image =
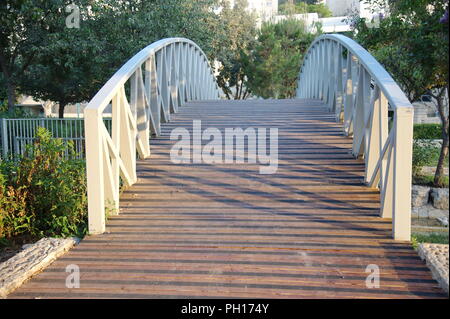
column 161, row 77
column 359, row 90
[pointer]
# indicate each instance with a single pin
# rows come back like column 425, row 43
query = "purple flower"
column 381, row 16
column 444, row 18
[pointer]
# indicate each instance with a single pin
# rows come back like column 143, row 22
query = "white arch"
column 355, row 86
column 161, row 77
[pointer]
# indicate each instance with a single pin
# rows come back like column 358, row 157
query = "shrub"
column 43, row 193
column 427, row 131
column 421, row 156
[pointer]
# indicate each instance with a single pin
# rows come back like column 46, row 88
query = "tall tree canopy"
column 24, row 29
column 41, row 56
column 235, row 36
column 275, row 59
column 411, row 41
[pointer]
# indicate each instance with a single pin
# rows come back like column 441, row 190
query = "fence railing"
column 16, row 134
column 358, row 90
column 143, row 93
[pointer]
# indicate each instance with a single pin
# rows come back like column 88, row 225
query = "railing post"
column 153, row 87
column 373, row 132
column 5, row 138
column 348, row 94
column 142, row 118
column 401, row 219
column 94, row 171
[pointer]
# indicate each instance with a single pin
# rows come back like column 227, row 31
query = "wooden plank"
column 225, row 231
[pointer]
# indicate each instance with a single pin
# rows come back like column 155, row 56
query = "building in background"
column 264, row 9
column 340, row 22
column 347, row 7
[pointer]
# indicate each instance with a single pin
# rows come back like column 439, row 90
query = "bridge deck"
column 308, row 231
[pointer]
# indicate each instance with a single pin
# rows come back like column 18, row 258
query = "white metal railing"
column 143, row 93
column 16, row 134
column 358, row 89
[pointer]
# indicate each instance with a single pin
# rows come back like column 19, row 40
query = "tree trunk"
column 439, row 175
column 62, row 105
column 10, row 85
column 11, row 92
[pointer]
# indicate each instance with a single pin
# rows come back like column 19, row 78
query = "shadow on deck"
column 208, row 231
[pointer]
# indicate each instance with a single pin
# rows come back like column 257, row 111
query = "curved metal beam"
column 161, row 77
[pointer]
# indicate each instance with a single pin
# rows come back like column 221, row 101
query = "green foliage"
column 322, row 10
column 428, row 180
column 25, row 26
column 301, row 7
column 236, row 34
column 43, row 194
column 276, row 57
column 43, row 58
column 427, row 131
column 411, row 43
column 421, row 155
column 432, row 238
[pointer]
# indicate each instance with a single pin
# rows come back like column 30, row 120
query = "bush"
column 427, row 131
column 43, row 194
column 421, row 156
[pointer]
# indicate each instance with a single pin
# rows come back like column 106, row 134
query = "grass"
column 428, row 180
column 432, row 238
column 433, row 157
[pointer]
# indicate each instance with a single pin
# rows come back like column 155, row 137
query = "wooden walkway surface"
column 225, row 231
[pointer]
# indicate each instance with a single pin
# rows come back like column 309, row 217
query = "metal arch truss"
column 159, row 79
column 354, row 86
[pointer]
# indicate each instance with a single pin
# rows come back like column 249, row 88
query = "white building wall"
column 346, row 7
column 264, row 9
column 341, row 7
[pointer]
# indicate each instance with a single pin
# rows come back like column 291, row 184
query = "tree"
column 71, row 66
column 236, row 33
column 275, row 59
column 75, row 63
column 302, row 7
column 24, row 26
column 412, row 43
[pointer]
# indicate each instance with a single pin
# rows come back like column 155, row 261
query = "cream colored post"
column 155, row 106
column 387, row 188
column 384, row 132
column 116, row 134
column 373, row 149
column 348, row 95
column 142, row 122
column 403, row 121
column 94, row 171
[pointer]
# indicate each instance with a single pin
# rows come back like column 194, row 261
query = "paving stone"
column 33, row 259
column 419, row 195
column 436, row 257
column 428, row 211
column 443, row 221
column 439, row 197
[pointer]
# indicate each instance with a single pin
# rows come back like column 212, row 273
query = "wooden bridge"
column 197, row 230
